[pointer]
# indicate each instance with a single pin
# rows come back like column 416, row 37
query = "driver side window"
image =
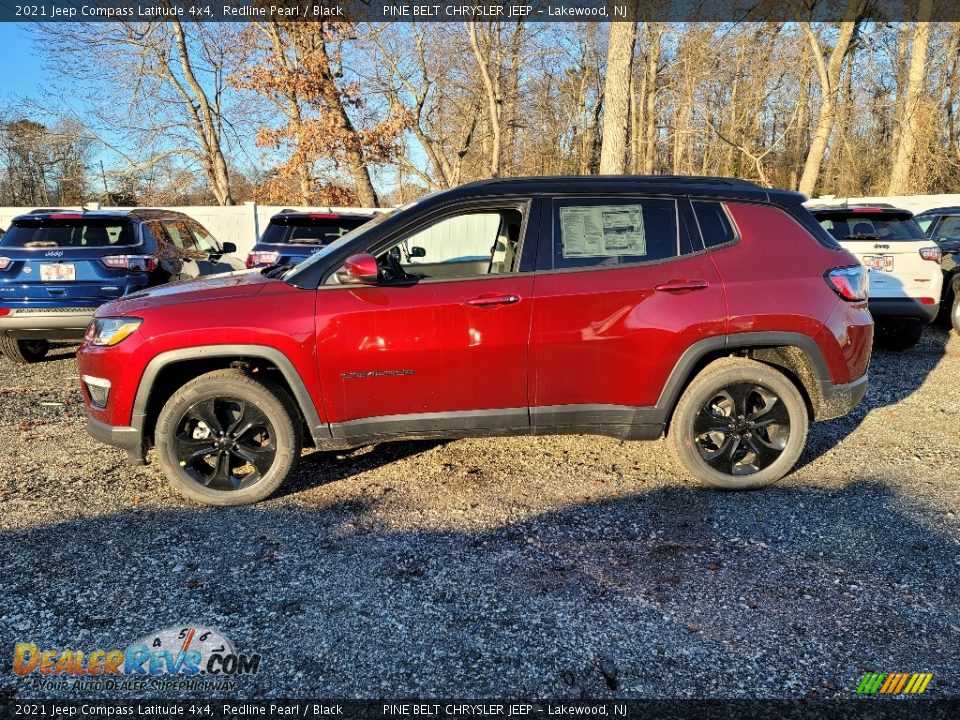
column 467, row 244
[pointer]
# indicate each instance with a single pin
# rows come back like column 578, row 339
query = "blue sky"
column 22, row 70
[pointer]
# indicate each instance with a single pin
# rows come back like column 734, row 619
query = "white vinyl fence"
column 913, row 203
column 243, row 224
column 239, row 224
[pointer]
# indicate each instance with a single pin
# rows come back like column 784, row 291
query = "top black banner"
column 480, row 10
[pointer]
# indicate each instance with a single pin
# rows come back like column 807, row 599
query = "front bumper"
column 902, row 309
column 129, row 439
column 46, row 323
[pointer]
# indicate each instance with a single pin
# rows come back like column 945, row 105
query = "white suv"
column 904, row 267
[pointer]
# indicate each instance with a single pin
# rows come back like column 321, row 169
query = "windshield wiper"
column 276, row 270
column 862, row 236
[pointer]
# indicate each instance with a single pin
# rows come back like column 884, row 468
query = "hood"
column 211, row 287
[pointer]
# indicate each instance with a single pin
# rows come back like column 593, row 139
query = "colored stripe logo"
column 894, row 683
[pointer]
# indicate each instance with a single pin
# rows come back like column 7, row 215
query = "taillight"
column 259, row 258
column 932, row 254
column 5, row 263
column 4, row 312
column 850, row 283
column 134, row 263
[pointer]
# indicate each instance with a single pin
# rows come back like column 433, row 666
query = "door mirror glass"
column 359, row 270
column 417, row 252
column 228, row 247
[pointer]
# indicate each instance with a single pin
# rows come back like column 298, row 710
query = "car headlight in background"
column 110, row 331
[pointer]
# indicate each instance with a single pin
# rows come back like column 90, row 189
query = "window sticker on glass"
column 602, row 230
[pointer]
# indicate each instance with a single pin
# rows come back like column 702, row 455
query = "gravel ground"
column 540, row 567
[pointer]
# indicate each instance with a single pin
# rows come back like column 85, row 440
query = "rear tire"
column 899, row 336
column 227, row 438
column 24, row 352
column 955, row 313
column 739, row 425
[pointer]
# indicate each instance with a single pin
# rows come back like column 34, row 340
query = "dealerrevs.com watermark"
column 191, row 658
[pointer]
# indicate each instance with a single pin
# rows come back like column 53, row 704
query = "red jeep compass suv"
column 711, row 309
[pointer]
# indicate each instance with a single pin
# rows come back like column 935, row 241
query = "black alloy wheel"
column 742, row 429
column 225, row 443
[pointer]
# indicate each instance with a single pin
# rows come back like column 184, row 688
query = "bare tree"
column 616, row 114
column 828, row 72
column 909, row 120
column 159, row 90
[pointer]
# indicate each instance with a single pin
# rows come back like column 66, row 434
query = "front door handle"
column 680, row 286
column 491, row 300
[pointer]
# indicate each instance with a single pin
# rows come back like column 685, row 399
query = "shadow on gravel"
column 326, row 466
column 59, row 351
column 793, row 592
column 894, row 376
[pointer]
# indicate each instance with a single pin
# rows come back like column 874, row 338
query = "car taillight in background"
column 931, row 253
column 261, row 258
column 850, row 283
column 5, row 263
column 134, row 263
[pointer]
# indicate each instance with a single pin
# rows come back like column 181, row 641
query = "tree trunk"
column 616, row 114
column 655, row 32
column 493, row 100
column 829, row 74
column 903, row 160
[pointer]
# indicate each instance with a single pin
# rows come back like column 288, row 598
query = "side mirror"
column 228, row 247
column 417, row 251
column 359, row 270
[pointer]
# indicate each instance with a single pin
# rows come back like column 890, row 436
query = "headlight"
column 110, row 331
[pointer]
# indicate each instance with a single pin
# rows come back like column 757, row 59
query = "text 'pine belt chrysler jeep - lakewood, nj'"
column 711, row 309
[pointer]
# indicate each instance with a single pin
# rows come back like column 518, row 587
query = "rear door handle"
column 679, row 286
column 491, row 300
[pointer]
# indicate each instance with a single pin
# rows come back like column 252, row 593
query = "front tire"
column 226, row 438
column 739, row 425
column 24, row 352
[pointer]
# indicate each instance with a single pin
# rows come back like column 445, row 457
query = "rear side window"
column 79, row 233
column 308, row 231
column 715, row 225
column 949, row 229
column 865, row 226
column 614, row 231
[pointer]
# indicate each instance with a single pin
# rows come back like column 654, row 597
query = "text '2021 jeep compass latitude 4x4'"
column 712, row 309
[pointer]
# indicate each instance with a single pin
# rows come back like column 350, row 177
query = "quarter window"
column 614, row 231
column 715, row 226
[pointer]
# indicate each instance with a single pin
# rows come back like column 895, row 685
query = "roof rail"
column 642, row 179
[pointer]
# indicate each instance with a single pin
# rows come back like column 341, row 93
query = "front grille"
column 50, row 311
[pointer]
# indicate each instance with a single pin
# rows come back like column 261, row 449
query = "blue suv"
column 294, row 236
column 58, row 266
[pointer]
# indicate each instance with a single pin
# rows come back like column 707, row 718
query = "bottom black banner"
column 866, row 708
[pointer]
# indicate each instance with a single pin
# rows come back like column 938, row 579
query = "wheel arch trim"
column 682, row 372
column 301, row 396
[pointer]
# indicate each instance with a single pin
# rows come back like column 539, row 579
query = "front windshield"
column 339, row 243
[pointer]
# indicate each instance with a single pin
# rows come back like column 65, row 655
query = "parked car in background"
column 293, row 236
column 903, row 265
column 712, row 309
column 942, row 225
column 58, row 266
